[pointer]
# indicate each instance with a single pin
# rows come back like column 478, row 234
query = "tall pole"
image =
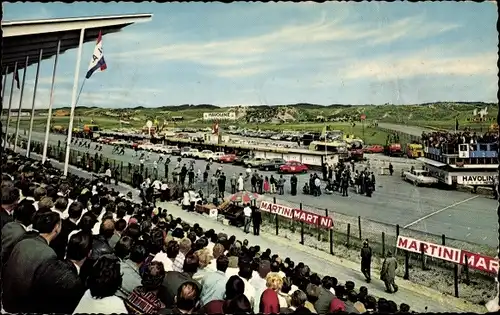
column 51, row 102
column 3, row 87
column 73, row 101
column 33, row 102
column 10, row 105
column 19, row 111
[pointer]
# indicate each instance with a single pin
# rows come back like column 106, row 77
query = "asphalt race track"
column 458, row 215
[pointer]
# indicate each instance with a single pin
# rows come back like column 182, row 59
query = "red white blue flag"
column 97, row 62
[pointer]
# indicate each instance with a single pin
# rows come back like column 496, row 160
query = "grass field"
column 369, row 135
column 298, row 117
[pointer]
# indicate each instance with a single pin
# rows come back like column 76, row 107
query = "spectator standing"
column 120, row 226
column 256, row 220
column 247, row 212
column 67, row 226
column 10, row 198
column 366, row 260
column 58, row 286
column 388, row 273
column 26, row 257
column 14, row 232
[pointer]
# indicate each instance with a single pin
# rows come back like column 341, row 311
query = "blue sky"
column 279, row 53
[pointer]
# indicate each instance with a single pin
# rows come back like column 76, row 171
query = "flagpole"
column 51, row 103
column 79, row 93
column 6, row 143
column 73, row 100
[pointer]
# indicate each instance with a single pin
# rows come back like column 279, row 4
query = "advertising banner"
column 297, row 214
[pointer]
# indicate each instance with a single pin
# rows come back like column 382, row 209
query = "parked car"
column 240, row 160
column 227, row 158
column 156, row 148
column 255, row 162
column 188, row 152
column 420, row 177
column 170, row 149
column 215, row 156
column 203, row 154
column 272, row 165
column 374, row 149
column 292, row 167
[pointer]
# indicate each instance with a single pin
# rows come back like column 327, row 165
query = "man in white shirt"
column 317, row 183
column 245, row 273
column 247, row 212
column 259, row 283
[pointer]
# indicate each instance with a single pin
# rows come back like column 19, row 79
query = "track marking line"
column 439, row 211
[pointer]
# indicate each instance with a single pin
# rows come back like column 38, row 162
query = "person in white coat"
column 241, row 182
column 185, row 200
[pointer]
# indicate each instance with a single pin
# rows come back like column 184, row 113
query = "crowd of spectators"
column 449, row 141
column 71, row 245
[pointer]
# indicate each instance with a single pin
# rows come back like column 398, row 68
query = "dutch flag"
column 97, row 61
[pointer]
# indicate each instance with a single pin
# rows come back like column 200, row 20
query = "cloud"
column 242, row 72
column 254, row 53
column 422, row 64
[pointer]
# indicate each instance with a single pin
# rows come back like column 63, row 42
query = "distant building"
column 177, row 118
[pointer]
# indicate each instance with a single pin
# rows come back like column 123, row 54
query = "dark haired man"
column 14, row 232
column 26, row 257
column 58, row 285
column 67, row 226
column 10, row 198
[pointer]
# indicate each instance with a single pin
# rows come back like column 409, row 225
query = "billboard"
column 297, row 214
column 476, row 179
column 219, row 116
column 454, row 255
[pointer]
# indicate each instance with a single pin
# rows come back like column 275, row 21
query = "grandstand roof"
column 26, row 38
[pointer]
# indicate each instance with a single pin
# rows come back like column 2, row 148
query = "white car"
column 204, row 154
column 145, row 146
column 190, row 153
column 420, row 177
column 119, row 142
column 170, row 149
column 215, row 156
column 156, row 148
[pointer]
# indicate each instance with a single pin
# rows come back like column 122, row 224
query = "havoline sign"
column 476, row 179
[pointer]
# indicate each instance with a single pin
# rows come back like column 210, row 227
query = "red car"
column 228, row 158
column 374, row 149
column 293, row 167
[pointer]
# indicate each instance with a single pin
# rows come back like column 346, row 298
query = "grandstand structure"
column 27, row 43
